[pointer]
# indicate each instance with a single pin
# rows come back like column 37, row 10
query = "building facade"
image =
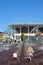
column 1, row 35
column 27, row 29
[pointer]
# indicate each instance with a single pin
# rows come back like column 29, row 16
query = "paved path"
column 37, row 60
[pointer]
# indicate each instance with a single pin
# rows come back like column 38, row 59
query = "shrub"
column 38, row 33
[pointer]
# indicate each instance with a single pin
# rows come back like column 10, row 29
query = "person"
column 15, row 55
column 30, row 53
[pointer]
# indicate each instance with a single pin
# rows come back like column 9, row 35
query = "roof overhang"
column 14, row 25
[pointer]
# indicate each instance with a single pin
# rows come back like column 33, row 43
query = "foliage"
column 22, row 36
column 38, row 33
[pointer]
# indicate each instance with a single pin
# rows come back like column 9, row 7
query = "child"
column 30, row 52
column 15, row 55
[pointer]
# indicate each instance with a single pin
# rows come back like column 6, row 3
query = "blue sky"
column 20, row 11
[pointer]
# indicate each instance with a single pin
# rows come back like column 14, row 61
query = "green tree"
column 38, row 33
column 22, row 36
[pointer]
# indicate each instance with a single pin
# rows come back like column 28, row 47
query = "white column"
column 28, row 29
column 28, row 32
column 13, row 33
column 20, row 29
column 36, row 29
column 20, row 32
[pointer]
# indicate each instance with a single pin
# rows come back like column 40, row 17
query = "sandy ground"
column 7, row 59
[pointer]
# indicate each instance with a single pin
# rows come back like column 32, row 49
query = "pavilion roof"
column 14, row 25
